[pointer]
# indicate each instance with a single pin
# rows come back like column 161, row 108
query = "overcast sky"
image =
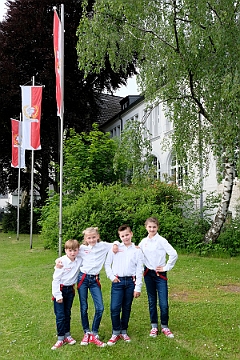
column 2, row 8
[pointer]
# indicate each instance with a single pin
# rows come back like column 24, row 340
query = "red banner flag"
column 31, row 113
column 57, row 41
column 17, row 161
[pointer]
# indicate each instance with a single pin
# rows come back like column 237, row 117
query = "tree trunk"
column 221, row 215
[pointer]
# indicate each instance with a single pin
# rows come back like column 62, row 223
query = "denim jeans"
column 121, row 300
column 156, row 285
column 63, row 312
column 90, row 282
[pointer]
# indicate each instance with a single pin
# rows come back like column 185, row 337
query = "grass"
column 204, row 298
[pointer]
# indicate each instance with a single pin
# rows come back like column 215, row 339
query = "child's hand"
column 136, row 294
column 116, row 280
column 159, row 269
column 58, row 263
column 60, row 301
column 115, row 248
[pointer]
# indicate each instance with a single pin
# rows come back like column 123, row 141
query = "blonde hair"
column 90, row 230
column 72, row 244
column 153, row 220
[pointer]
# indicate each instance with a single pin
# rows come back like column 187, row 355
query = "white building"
column 134, row 107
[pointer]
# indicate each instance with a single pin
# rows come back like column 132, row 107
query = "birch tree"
column 188, row 56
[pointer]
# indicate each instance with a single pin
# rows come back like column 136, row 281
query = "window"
column 177, row 171
column 157, row 166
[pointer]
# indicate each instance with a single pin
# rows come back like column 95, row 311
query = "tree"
column 133, row 159
column 88, row 160
column 188, row 56
column 26, row 50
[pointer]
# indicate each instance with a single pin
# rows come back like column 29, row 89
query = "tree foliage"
column 88, row 160
column 26, row 50
column 188, row 56
column 133, row 158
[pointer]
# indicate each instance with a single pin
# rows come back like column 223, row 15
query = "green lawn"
column 204, row 297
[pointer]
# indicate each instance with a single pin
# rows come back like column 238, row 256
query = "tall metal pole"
column 19, row 174
column 61, row 133
column 32, row 175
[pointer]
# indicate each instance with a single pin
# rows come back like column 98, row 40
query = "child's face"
column 71, row 253
column 91, row 238
column 152, row 229
column 126, row 236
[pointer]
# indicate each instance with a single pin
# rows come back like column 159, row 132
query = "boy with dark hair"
column 124, row 269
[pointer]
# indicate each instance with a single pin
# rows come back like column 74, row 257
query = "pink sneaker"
column 85, row 339
column 69, row 340
column 113, row 339
column 58, row 344
column 153, row 332
column 167, row 332
column 125, row 337
column 94, row 339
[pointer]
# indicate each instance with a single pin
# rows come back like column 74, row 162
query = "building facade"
column 167, row 168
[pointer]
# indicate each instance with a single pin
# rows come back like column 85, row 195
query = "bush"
column 108, row 207
column 9, row 220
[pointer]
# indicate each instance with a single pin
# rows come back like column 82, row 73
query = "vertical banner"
column 31, row 113
column 57, row 45
column 18, row 160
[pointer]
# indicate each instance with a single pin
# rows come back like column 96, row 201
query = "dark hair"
column 124, row 227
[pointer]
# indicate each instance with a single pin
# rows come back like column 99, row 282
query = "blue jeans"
column 63, row 312
column 157, row 285
column 121, row 300
column 92, row 283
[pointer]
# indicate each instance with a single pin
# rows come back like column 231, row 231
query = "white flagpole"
column 61, row 132
column 19, row 172
column 32, row 175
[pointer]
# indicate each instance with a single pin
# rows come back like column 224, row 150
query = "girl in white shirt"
column 93, row 253
column 155, row 248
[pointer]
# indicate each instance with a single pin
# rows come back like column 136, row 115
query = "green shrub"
column 9, row 220
column 108, row 207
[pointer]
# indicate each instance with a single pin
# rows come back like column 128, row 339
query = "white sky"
column 130, row 89
column 2, row 9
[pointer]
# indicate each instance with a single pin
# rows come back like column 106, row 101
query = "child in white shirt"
column 155, row 248
column 63, row 292
column 93, row 254
column 124, row 269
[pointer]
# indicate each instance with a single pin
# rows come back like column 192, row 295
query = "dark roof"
column 110, row 107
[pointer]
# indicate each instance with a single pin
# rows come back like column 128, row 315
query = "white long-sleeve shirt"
column 155, row 251
column 128, row 261
column 93, row 257
column 67, row 275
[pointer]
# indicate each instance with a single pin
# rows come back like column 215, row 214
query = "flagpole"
column 32, row 175
column 61, row 132
column 19, row 174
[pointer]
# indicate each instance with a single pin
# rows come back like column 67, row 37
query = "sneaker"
column 167, row 332
column 69, row 340
column 153, row 332
column 125, row 337
column 85, row 339
column 94, row 339
column 113, row 339
column 58, row 344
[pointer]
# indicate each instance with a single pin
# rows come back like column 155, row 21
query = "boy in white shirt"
column 63, row 292
column 124, row 269
column 155, row 249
